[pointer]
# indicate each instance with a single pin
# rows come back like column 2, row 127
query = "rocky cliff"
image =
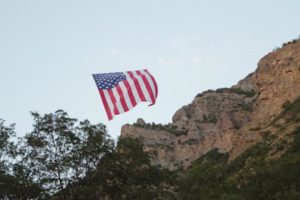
column 229, row 119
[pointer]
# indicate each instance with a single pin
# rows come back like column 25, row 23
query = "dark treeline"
column 63, row 158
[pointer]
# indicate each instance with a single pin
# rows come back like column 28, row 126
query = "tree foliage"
column 13, row 183
column 59, row 152
column 63, row 158
column 125, row 173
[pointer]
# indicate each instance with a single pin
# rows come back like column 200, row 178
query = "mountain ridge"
column 228, row 119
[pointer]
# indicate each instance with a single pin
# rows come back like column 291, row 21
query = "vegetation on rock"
column 238, row 91
column 169, row 128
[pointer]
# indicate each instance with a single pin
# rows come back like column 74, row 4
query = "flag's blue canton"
column 108, row 80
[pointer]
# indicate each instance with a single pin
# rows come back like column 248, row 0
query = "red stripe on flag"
column 137, row 85
column 114, row 101
column 148, row 87
column 121, row 95
column 154, row 82
column 130, row 93
column 108, row 111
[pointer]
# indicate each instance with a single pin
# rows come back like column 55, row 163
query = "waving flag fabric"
column 121, row 91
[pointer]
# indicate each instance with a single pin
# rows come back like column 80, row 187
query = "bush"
column 239, row 91
column 248, row 107
column 290, row 111
column 214, row 156
column 296, row 141
column 159, row 127
column 250, row 93
column 211, row 118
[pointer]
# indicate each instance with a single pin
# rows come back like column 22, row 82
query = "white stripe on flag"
column 109, row 102
column 143, row 87
column 118, row 100
column 149, row 81
column 126, row 95
column 132, row 86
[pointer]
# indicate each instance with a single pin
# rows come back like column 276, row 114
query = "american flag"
column 121, row 91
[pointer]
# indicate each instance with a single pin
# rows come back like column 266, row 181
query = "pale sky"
column 49, row 49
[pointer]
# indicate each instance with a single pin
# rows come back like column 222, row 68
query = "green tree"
column 125, row 173
column 13, row 184
column 204, row 178
column 7, row 147
column 59, row 152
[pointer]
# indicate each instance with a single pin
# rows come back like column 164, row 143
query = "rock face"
column 277, row 80
column 229, row 119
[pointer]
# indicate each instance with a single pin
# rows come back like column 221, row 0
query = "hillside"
column 267, row 170
column 228, row 119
